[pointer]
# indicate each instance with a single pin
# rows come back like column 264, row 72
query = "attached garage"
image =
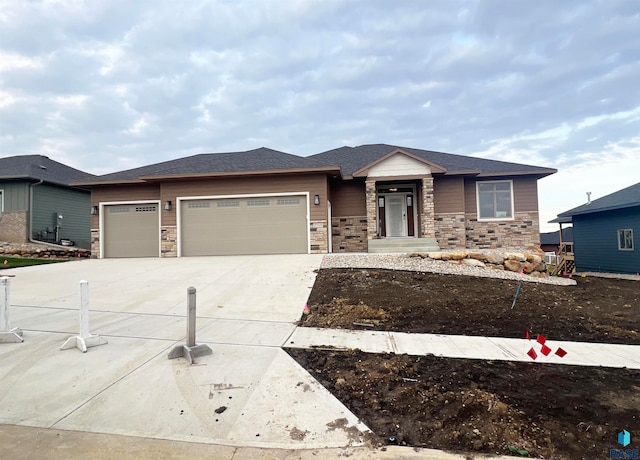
column 131, row 230
column 244, row 225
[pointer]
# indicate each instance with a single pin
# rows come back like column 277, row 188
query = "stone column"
column 427, row 223
column 372, row 224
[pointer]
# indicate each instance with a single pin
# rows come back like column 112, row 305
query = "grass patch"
column 13, row 262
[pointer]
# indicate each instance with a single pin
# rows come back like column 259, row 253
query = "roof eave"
column 595, row 210
column 561, row 220
column 467, row 172
column 106, row 182
column 540, row 173
column 261, row 172
column 37, row 179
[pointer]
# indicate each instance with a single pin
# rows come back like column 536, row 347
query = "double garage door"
column 253, row 225
column 248, row 225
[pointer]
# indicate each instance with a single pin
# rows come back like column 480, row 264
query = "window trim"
column 620, row 231
column 1, row 201
column 490, row 219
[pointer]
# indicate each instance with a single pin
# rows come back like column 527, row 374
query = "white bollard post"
column 7, row 335
column 85, row 340
column 84, row 309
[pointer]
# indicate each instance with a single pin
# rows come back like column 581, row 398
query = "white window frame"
column 622, row 231
column 1, row 201
column 510, row 182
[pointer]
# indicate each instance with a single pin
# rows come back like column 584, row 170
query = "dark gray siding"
column 15, row 196
column 596, row 241
column 74, row 206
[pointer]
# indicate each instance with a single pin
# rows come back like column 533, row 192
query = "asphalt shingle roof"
column 351, row 159
column 625, row 198
column 262, row 159
column 39, row 167
column 554, row 237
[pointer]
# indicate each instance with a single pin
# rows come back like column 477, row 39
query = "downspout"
column 30, row 235
column 329, row 235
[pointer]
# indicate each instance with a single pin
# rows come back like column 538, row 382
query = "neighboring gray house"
column 606, row 232
column 37, row 203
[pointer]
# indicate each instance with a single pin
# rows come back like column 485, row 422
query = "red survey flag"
column 545, row 350
column 532, row 354
column 560, row 352
column 541, row 339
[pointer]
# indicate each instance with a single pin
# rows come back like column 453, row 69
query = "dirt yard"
column 549, row 411
column 596, row 310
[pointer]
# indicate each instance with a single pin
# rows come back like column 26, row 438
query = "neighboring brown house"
column 372, row 198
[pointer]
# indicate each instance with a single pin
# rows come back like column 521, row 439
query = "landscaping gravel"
column 418, row 264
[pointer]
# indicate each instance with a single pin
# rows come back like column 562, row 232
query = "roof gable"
column 39, row 167
column 398, row 163
column 355, row 159
column 625, row 198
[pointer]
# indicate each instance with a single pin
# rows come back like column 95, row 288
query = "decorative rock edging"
column 530, row 262
column 42, row 251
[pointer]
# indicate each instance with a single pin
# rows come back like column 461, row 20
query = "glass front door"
column 396, row 215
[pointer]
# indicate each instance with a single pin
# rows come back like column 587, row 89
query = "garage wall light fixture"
column 316, row 199
column 167, row 205
column 94, row 210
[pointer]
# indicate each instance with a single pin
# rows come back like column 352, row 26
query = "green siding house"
column 37, row 203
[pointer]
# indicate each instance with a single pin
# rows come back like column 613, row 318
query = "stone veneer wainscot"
column 349, row 234
column 522, row 231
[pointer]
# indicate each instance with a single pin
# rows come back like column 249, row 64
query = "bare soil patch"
column 466, row 406
column 550, row 411
column 596, row 310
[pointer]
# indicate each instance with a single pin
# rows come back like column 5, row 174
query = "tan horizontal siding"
column 348, row 198
column 314, row 184
column 448, row 194
column 470, row 205
column 109, row 193
column 525, row 194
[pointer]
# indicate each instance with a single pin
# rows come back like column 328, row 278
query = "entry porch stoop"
column 403, row 245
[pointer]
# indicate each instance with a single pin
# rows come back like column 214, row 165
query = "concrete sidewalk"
column 460, row 346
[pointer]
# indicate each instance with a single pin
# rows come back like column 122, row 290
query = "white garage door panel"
column 131, row 230
column 271, row 225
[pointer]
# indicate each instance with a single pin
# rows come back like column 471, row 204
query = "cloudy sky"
column 106, row 85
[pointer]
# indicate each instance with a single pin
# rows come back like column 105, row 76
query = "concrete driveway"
column 248, row 393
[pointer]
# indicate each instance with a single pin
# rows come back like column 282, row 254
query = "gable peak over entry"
column 399, row 163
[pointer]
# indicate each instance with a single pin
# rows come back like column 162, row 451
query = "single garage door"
column 131, row 230
column 259, row 225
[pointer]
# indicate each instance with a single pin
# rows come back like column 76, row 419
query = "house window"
column 226, row 204
column 288, row 201
column 495, row 199
column 625, row 239
column 1, row 202
column 151, row 208
column 257, row 202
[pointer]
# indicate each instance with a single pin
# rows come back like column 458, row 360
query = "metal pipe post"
column 191, row 315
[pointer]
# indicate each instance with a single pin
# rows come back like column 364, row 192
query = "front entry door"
column 396, row 215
